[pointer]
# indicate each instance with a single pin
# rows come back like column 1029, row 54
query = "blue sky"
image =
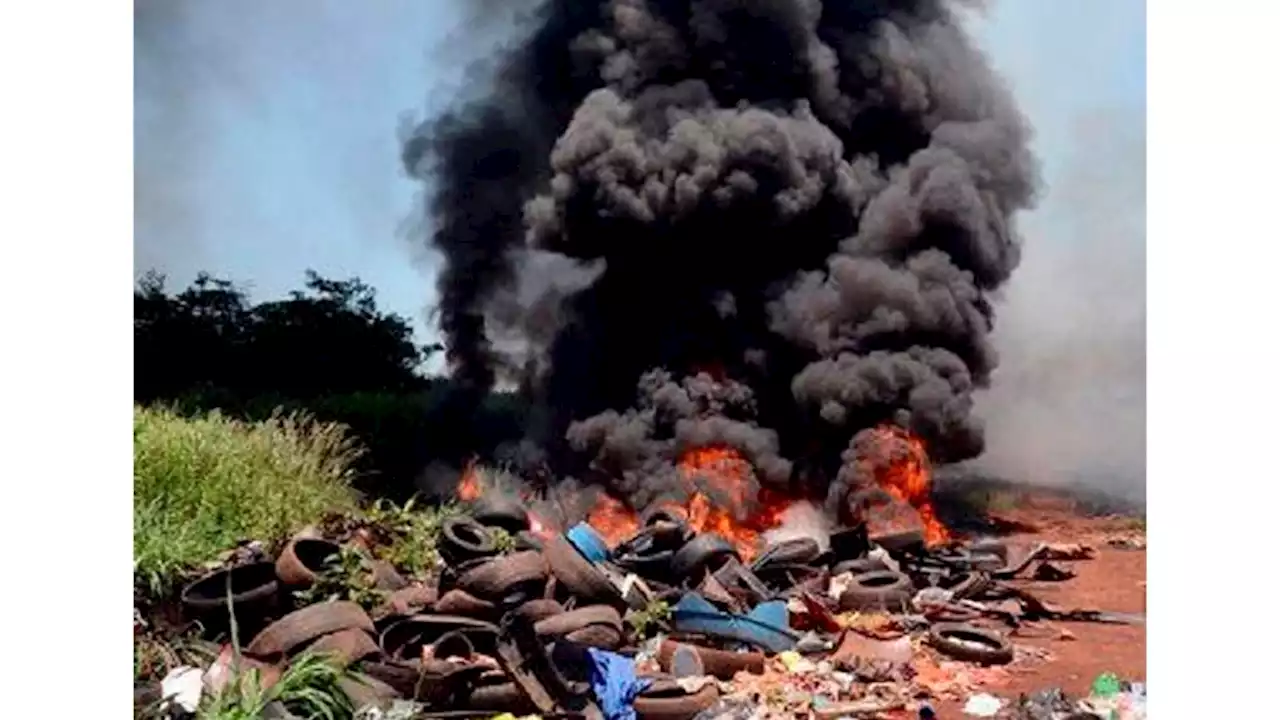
column 265, row 141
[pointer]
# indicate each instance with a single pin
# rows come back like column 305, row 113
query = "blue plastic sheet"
column 615, row 684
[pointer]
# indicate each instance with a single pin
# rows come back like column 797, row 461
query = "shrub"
column 203, row 484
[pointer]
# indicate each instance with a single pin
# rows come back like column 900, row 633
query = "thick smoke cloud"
column 785, row 218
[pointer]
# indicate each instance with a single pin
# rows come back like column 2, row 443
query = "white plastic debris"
column 839, row 584
column 880, row 554
column 931, row 597
column 983, row 705
column 183, row 687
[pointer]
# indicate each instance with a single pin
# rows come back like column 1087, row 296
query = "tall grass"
column 202, row 484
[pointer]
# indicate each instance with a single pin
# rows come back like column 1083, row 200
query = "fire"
column 614, row 521
column 901, row 468
column 717, row 480
column 469, row 485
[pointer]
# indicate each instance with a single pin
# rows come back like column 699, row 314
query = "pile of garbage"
column 670, row 624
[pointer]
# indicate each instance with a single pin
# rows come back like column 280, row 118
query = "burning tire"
column 707, row 551
column 878, row 590
column 971, row 644
column 799, row 550
column 501, row 512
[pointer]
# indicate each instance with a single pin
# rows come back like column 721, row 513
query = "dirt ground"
column 1113, row 581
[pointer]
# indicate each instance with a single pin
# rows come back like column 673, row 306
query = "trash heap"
column 667, row 625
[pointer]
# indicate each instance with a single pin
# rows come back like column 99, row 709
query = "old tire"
column 461, row 602
column 905, row 541
column 797, row 550
column 565, row 623
column 971, row 643
column 346, row 646
column 878, row 590
column 462, row 539
column 579, row 576
column 540, row 609
column 968, row 585
column 255, row 595
column 707, row 551
column 676, row 707
column 302, row 626
column 858, row 566
column 501, row 576
column 502, row 512
column 418, row 630
column 302, row 559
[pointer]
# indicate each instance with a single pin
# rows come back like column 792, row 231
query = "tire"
column 565, row 623
column 722, row 664
column 969, row 585
column 858, row 566
column 707, row 551
column 989, row 546
column 302, row 626
column 906, row 541
column 346, row 646
column 579, row 576
column 255, row 597
column 540, row 609
column 462, row 538
column 363, row 691
column 454, row 643
column 971, row 643
column 850, row 543
column 500, row 698
column 461, row 602
column 878, row 590
column 678, row 707
column 302, row 559
column 596, row 636
column 526, row 540
column 419, row 630
column 798, row 550
column 497, row 578
column 501, row 512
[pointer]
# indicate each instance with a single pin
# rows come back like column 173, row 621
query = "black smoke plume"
column 766, row 224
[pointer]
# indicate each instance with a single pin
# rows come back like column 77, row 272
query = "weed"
column 348, row 576
column 653, row 616
column 410, row 535
column 308, row 688
column 202, row 485
column 504, row 541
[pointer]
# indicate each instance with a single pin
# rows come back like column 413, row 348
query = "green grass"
column 202, row 485
column 308, row 688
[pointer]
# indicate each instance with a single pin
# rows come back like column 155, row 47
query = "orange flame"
column 469, row 484
column 717, row 480
column 901, row 467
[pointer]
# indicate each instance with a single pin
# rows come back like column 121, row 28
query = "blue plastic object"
column 764, row 627
column 615, row 684
column 588, row 541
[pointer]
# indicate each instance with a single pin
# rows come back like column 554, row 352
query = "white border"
column 1212, row 254
column 66, row 163
column 66, row 159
